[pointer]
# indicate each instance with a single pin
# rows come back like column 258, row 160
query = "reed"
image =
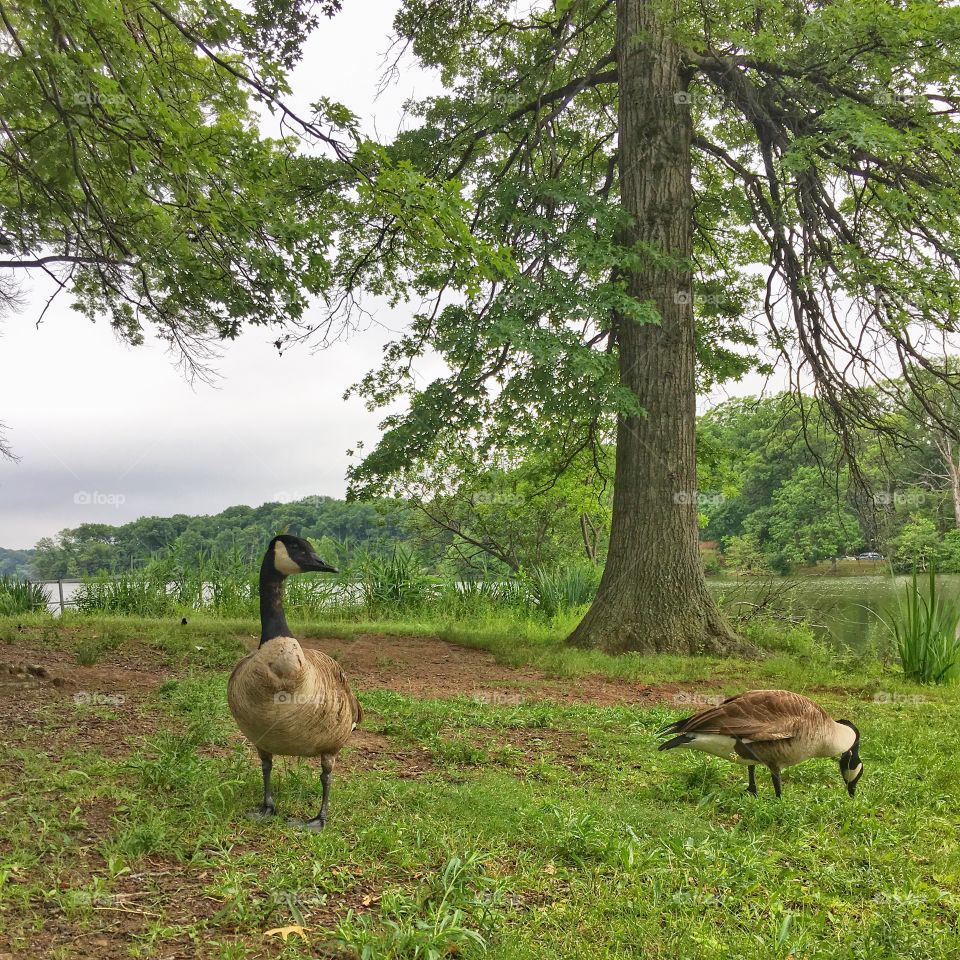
column 20, row 596
column 369, row 585
column 924, row 629
column 559, row 590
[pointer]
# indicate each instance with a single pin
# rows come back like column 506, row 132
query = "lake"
column 846, row 611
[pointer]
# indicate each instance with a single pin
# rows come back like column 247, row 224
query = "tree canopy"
column 825, row 146
column 133, row 171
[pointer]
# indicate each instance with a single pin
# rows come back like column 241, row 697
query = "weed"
column 20, row 596
column 450, row 916
column 91, row 650
column 559, row 590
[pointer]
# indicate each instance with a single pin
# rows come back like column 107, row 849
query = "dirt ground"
column 422, row 667
column 32, row 679
column 430, row 668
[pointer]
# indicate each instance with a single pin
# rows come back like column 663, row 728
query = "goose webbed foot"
column 263, row 812
column 314, row 826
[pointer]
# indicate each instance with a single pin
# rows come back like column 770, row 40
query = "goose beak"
column 318, row 566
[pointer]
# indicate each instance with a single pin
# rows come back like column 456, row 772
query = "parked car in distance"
column 870, row 555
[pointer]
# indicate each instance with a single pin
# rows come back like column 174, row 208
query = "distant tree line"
column 94, row 547
column 777, row 492
column 14, row 562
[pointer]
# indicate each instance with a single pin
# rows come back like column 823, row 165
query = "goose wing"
column 333, row 678
column 758, row 715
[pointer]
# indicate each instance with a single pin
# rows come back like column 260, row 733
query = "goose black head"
column 288, row 554
column 851, row 767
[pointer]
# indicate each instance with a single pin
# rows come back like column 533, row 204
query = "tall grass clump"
column 558, row 590
column 924, row 629
column 395, row 583
column 483, row 598
column 20, row 596
column 141, row 593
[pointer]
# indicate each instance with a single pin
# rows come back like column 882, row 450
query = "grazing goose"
column 285, row 699
column 774, row 727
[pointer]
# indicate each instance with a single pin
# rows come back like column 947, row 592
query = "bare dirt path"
column 431, row 668
column 422, row 667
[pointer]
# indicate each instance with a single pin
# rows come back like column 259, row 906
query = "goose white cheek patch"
column 282, row 560
column 853, row 773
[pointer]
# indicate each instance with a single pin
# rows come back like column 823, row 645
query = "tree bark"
column 653, row 595
column 953, row 468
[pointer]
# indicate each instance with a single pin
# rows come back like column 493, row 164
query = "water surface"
column 847, row 612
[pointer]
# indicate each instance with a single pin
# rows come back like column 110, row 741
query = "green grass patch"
column 588, row 843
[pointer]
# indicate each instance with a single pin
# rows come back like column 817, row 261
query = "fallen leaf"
column 286, row 931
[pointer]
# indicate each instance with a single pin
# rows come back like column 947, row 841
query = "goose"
column 774, row 727
column 287, row 700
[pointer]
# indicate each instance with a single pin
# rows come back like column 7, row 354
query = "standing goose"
column 285, row 699
column 774, row 727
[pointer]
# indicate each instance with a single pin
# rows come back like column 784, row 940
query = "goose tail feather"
column 680, row 741
column 675, row 727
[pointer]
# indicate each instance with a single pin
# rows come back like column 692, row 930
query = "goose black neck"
column 273, row 623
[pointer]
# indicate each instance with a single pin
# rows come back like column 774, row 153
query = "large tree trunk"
column 653, row 595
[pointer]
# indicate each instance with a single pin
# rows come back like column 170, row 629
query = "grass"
column 587, row 843
column 20, row 596
column 368, row 585
column 925, row 632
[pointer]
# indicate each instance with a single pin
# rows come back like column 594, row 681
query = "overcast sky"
column 108, row 433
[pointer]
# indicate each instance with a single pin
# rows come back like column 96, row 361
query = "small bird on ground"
column 776, row 728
